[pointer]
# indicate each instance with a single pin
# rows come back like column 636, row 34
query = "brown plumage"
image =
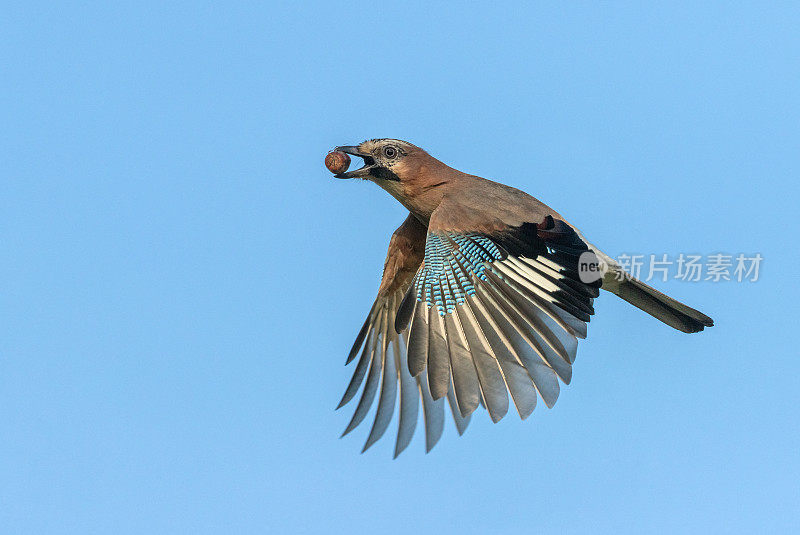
column 482, row 295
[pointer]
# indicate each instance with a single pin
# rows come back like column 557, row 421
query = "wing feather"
column 565, row 346
column 418, row 337
column 409, row 401
column 438, row 355
column 465, row 378
column 365, row 329
column 433, row 413
column 527, row 342
column 371, row 386
column 386, row 401
column 360, row 371
column 492, row 385
column 540, row 372
column 461, row 421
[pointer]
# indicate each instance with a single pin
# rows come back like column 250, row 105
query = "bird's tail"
column 660, row 306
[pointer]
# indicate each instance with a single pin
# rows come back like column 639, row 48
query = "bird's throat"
column 421, row 206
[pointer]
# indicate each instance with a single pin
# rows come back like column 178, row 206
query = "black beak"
column 363, row 172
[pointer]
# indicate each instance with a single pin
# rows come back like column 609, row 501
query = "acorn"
column 337, row 162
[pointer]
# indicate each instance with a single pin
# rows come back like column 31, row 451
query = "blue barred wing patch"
column 451, row 262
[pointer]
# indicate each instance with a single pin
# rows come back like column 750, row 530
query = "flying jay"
column 485, row 293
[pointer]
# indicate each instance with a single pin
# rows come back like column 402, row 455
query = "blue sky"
column 181, row 278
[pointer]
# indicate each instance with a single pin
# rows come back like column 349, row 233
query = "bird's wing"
column 496, row 309
column 381, row 353
column 482, row 308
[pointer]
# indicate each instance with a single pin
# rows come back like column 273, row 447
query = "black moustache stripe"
column 384, row 173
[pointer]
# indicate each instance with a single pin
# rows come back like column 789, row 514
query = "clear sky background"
column 181, row 278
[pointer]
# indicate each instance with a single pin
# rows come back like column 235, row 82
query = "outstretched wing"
column 497, row 309
column 470, row 314
column 382, row 353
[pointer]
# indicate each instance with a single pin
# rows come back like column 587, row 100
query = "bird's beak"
column 362, row 172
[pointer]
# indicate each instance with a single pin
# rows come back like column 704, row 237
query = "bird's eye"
column 389, row 152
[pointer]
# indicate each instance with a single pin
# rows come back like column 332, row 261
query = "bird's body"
column 483, row 294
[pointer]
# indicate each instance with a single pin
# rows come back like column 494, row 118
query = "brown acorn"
column 337, row 162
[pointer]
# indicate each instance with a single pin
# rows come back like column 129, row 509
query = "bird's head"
column 405, row 171
column 384, row 159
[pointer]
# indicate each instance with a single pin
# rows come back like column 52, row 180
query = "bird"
column 485, row 293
